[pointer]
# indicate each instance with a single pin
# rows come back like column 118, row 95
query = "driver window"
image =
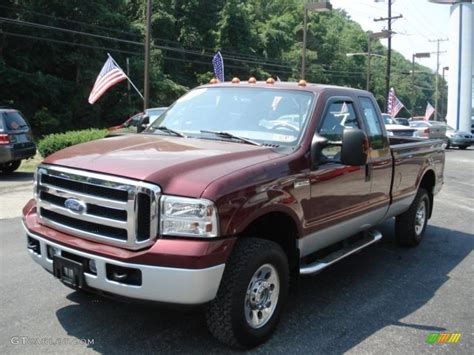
column 339, row 115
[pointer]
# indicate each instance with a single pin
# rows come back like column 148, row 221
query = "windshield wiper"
column 170, row 131
column 231, row 136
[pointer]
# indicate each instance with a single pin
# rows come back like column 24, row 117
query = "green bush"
column 57, row 141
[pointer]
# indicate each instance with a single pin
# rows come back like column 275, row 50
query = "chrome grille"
column 115, row 211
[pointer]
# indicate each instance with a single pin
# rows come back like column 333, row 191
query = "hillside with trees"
column 52, row 51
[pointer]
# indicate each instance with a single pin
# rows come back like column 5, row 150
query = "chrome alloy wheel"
column 262, row 296
column 420, row 218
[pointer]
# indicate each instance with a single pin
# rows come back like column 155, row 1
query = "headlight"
column 188, row 217
column 390, row 133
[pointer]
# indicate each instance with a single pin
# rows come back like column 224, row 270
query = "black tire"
column 463, row 147
column 410, row 226
column 10, row 167
column 448, row 145
column 226, row 314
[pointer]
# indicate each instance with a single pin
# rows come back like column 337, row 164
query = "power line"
column 234, row 54
column 69, row 43
column 172, row 49
column 72, row 21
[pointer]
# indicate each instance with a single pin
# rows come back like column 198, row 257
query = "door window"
column 339, row 115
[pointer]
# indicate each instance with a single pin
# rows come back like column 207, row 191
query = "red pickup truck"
column 236, row 190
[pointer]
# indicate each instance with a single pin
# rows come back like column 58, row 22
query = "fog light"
column 92, row 266
column 52, row 251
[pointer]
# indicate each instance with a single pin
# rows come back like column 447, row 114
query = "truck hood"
column 180, row 166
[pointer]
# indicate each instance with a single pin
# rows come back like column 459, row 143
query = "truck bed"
column 411, row 158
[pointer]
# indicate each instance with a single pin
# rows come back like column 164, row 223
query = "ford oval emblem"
column 75, row 205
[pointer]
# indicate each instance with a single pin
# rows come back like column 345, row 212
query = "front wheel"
column 410, row 226
column 463, row 147
column 252, row 294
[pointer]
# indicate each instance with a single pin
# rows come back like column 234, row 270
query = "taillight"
column 4, row 139
column 427, row 130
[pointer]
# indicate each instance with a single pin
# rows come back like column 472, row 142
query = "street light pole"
column 305, row 30
column 313, row 6
column 444, row 84
column 415, row 55
column 146, row 83
column 413, row 99
column 369, row 56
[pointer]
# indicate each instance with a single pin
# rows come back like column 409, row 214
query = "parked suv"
column 16, row 141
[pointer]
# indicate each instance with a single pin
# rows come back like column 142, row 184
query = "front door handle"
column 368, row 172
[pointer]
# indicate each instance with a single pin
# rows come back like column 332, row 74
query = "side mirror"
column 317, row 145
column 143, row 124
column 355, row 147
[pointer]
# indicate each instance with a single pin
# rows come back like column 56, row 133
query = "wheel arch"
column 279, row 227
column 428, row 182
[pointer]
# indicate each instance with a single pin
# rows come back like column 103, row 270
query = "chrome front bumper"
column 160, row 284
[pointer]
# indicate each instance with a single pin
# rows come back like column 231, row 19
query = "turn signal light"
column 4, row 139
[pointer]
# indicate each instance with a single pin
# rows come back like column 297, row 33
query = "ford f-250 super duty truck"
column 236, row 189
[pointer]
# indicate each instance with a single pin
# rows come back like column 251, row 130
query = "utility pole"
column 389, row 50
column 147, row 56
column 437, row 75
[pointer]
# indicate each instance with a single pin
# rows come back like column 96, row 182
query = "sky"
column 422, row 21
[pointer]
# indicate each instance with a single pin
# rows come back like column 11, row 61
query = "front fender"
column 238, row 212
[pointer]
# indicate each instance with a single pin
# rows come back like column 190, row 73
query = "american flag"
column 110, row 75
column 429, row 111
column 394, row 105
column 218, row 63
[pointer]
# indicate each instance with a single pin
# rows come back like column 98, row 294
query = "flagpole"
column 139, row 93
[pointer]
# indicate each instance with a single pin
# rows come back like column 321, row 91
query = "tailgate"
column 437, row 132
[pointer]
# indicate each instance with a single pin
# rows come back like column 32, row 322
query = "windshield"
column 264, row 115
column 14, row 121
column 387, row 119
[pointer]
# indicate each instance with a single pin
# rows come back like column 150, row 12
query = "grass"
column 29, row 165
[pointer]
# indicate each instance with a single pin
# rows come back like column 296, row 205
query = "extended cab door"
column 339, row 193
column 379, row 167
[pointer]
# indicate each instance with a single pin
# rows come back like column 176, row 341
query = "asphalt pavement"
column 385, row 299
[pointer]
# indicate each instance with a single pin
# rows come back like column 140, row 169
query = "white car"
column 430, row 129
column 395, row 129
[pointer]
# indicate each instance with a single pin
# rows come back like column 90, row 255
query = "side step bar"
column 372, row 237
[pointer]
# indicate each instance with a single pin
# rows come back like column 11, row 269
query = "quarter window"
column 374, row 129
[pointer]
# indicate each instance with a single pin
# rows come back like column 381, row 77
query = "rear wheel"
column 463, row 147
column 410, row 226
column 10, row 167
column 252, row 293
